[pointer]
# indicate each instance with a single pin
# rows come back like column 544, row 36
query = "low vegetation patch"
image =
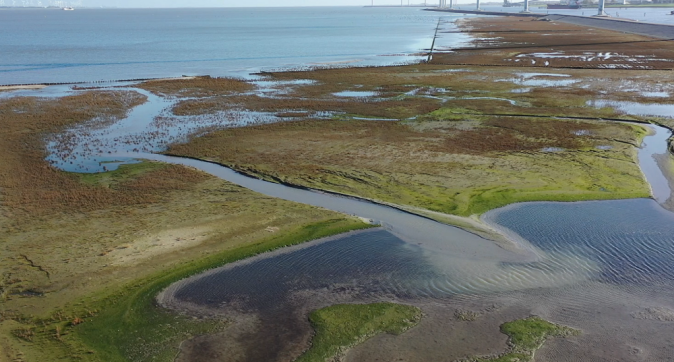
column 341, row 327
column 456, row 167
column 85, row 254
column 195, row 86
column 515, row 42
column 121, row 175
column 127, row 325
column 526, row 336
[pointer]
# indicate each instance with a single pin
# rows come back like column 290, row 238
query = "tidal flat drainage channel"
column 451, row 250
column 459, row 261
column 653, row 146
column 446, row 253
column 442, row 272
column 407, row 226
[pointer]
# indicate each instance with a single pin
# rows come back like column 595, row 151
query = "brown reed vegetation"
column 66, row 237
column 195, row 86
column 448, row 166
column 515, row 134
column 514, row 41
column 32, row 188
column 495, row 135
column 387, row 108
column 398, row 109
column 419, row 90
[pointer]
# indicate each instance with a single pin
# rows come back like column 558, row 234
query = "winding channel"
column 560, row 246
column 460, row 261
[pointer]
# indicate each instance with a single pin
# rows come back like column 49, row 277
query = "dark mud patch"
column 601, row 312
column 441, row 337
column 267, row 299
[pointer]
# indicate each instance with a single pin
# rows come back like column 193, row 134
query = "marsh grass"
column 438, row 165
column 526, row 336
column 386, row 108
column 195, row 87
column 61, row 231
column 30, row 187
column 127, row 325
column 507, row 41
column 529, row 334
column 341, row 327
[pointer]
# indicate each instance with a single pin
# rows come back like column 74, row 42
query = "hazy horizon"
column 209, row 3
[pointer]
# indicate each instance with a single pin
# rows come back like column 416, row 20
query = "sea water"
column 48, row 45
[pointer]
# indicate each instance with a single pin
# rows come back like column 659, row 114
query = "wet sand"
column 620, row 321
column 617, row 325
column 623, row 317
column 18, row 87
column 610, row 332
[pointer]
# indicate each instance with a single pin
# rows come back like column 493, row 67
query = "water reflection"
column 438, row 259
column 636, row 108
column 631, row 240
column 96, row 146
column 625, row 242
column 369, row 263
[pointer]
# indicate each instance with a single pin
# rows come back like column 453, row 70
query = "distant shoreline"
column 43, row 85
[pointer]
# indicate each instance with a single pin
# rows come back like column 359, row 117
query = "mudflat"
column 73, row 241
column 454, row 139
column 511, row 119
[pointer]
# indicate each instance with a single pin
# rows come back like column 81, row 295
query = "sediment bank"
column 448, row 115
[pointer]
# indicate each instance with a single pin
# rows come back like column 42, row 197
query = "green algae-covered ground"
column 341, row 327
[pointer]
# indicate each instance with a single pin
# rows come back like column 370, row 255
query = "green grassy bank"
column 129, row 326
column 341, row 327
column 525, row 337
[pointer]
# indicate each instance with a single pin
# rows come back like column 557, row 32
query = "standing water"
column 149, row 43
column 620, row 246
